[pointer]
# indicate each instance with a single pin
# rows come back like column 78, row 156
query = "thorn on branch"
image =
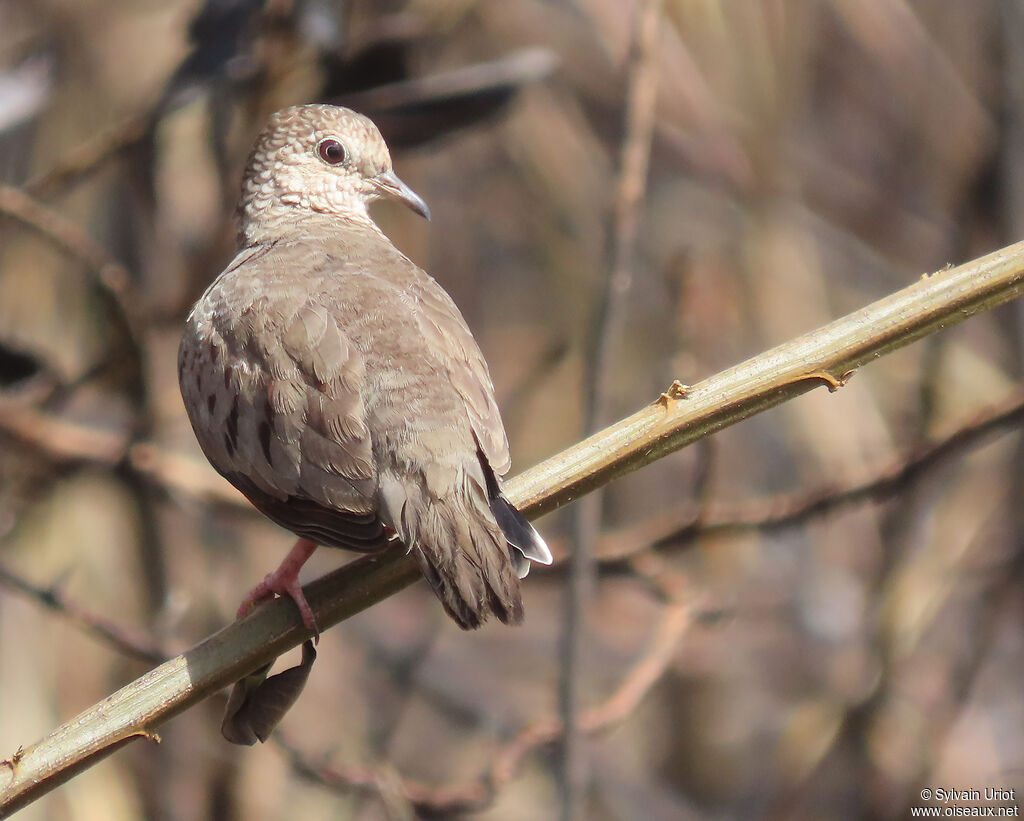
column 14, row 760
column 676, row 391
column 833, row 383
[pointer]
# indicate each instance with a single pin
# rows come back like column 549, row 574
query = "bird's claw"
column 280, row 583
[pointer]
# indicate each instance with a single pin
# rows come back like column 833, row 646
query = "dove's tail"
column 462, row 552
column 472, row 545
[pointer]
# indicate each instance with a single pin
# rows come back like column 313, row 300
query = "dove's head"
column 319, row 159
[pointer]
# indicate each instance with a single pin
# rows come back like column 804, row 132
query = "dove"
column 337, row 386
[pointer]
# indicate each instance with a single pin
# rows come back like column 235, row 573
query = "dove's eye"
column 331, row 151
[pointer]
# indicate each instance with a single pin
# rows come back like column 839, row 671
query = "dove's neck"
column 259, row 227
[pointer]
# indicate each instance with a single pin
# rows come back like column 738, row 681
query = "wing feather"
column 442, row 324
column 279, row 411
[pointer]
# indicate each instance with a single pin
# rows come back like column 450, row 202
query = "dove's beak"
column 390, row 185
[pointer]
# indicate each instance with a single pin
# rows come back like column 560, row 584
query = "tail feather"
column 461, row 552
column 462, row 559
column 525, row 544
column 471, row 543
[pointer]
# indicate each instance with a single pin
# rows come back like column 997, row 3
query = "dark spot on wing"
column 211, row 402
column 232, row 423
column 265, row 440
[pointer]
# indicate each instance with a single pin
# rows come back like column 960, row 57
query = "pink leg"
column 285, row 582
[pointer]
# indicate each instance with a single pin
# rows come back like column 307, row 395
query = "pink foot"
column 285, row 582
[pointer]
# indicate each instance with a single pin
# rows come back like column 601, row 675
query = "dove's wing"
column 273, row 388
column 444, row 328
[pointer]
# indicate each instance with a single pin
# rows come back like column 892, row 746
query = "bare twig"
column 120, row 638
column 67, row 236
column 108, row 274
column 680, row 416
column 641, row 96
column 90, row 156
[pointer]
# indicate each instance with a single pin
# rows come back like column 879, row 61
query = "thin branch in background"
column 89, row 157
column 112, row 278
column 479, row 794
column 798, row 509
column 641, row 97
column 126, row 308
column 122, row 639
column 433, row 689
column 679, row 528
column 65, row 440
column 72, row 240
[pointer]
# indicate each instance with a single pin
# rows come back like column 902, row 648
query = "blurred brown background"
column 807, row 158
